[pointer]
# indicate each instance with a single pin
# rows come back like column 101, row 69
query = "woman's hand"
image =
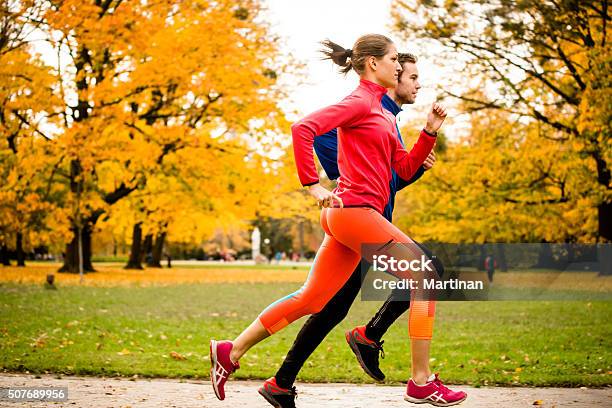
column 323, row 196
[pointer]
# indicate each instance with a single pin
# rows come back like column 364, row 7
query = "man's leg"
column 396, row 304
column 316, row 328
column 279, row 390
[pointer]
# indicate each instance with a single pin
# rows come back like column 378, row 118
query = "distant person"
column 489, row 265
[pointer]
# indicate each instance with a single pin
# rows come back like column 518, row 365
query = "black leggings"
column 318, row 325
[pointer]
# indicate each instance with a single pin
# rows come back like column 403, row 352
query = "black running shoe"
column 366, row 351
column 277, row 396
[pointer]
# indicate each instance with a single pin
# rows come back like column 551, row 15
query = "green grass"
column 83, row 331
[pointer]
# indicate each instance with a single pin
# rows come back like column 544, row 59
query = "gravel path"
column 92, row 392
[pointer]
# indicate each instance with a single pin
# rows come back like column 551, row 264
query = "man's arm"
column 326, row 148
column 401, row 183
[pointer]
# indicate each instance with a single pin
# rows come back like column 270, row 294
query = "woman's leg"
column 355, row 227
column 331, row 269
column 316, row 328
column 252, row 335
column 420, row 360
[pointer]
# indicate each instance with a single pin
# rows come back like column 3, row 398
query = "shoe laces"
column 439, row 383
column 293, row 391
column 379, row 346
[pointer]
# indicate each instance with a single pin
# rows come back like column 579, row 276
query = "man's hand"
column 325, row 198
column 429, row 161
column 435, row 118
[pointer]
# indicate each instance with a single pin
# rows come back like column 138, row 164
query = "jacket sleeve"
column 401, row 183
column 406, row 163
column 343, row 114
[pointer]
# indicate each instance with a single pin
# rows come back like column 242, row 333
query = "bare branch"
column 26, row 122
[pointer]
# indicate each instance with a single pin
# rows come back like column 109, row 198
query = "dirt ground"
column 92, row 392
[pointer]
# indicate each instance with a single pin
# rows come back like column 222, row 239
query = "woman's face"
column 387, row 69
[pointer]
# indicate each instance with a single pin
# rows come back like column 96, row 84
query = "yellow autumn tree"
column 140, row 82
column 28, row 216
column 505, row 182
column 546, row 61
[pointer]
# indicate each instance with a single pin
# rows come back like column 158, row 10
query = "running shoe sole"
column 353, row 345
column 427, row 401
column 262, row 391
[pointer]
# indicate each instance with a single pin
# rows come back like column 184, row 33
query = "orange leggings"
column 346, row 229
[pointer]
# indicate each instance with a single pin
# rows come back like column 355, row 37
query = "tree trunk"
column 19, row 250
column 158, row 249
column 604, row 214
column 604, row 257
column 545, row 257
column 135, row 253
column 301, row 236
column 604, row 210
column 71, row 258
column 147, row 249
column 571, row 253
column 502, row 262
column 481, row 257
column 4, row 256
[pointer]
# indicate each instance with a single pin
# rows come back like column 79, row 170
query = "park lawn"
column 114, row 274
column 163, row 331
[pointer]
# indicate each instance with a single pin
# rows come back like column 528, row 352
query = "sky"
column 303, row 24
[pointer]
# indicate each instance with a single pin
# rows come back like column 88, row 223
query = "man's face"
column 408, row 85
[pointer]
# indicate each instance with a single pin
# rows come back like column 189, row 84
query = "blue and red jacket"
column 326, row 147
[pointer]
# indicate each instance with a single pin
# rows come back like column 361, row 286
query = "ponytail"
column 339, row 55
column 369, row 45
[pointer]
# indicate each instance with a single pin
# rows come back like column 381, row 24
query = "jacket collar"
column 377, row 90
column 389, row 104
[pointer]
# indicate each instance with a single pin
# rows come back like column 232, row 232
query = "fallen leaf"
column 177, row 356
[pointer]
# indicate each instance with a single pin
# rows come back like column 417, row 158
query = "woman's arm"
column 345, row 113
column 406, row 164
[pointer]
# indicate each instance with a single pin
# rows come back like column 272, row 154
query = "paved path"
column 92, row 392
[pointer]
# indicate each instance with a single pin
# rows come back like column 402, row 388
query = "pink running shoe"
column 434, row 392
column 221, row 366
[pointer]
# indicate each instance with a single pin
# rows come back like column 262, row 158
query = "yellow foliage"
column 505, row 183
column 163, row 116
column 108, row 276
